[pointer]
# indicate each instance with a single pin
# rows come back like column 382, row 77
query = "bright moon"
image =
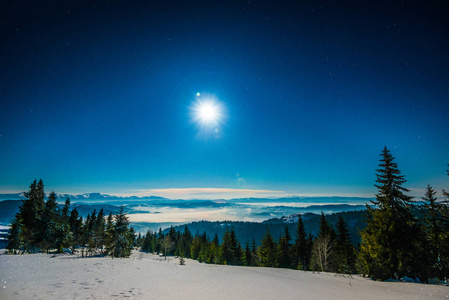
column 207, row 111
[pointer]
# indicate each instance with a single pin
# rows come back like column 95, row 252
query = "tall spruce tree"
column 185, row 240
column 284, row 257
column 236, row 249
column 76, row 229
column 88, row 234
column 30, row 212
column 99, row 231
column 393, row 239
column 226, row 253
column 344, row 249
column 254, row 251
column 195, row 247
column 122, row 235
column 248, row 255
column 434, row 222
column 64, row 236
column 267, row 251
column 301, row 255
column 48, row 224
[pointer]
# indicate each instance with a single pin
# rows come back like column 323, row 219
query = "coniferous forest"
column 41, row 226
column 403, row 236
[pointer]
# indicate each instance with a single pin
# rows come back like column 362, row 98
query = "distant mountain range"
column 101, row 196
column 87, row 196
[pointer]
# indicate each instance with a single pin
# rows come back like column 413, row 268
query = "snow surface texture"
column 148, row 276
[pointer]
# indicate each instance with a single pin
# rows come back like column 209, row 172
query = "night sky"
column 101, row 96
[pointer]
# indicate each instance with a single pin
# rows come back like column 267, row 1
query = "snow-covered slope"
column 147, row 276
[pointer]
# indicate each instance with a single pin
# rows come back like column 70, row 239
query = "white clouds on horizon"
column 207, row 193
column 180, row 215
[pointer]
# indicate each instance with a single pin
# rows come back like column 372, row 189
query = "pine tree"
column 301, row 255
column 64, row 235
column 88, row 243
column 14, row 243
column 236, row 249
column 48, row 224
column 76, row 229
column 132, row 234
column 139, row 240
column 284, row 259
column 392, row 240
column 239, row 255
column 157, row 241
column 344, row 249
column 225, row 254
column 174, row 238
column 436, row 228
column 206, row 253
column 122, row 236
column 254, row 252
column 326, row 228
column 267, row 251
column 99, row 231
column 248, row 255
column 196, row 246
column 65, row 212
column 147, row 245
column 184, row 244
column 30, row 212
column 215, row 248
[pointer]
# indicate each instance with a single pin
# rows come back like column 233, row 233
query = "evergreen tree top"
column 325, row 227
column 389, row 184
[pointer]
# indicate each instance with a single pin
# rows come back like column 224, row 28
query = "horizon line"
column 209, row 193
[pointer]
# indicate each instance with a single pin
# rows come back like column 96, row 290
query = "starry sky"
column 97, row 96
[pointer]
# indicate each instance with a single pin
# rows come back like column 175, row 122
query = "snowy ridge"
column 293, row 218
column 86, row 196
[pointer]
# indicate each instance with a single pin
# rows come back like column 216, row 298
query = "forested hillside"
column 247, row 231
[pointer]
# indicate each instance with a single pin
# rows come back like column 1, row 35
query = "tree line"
column 402, row 238
column 330, row 251
column 247, row 231
column 41, row 226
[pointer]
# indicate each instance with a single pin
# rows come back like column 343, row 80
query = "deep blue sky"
column 97, row 96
